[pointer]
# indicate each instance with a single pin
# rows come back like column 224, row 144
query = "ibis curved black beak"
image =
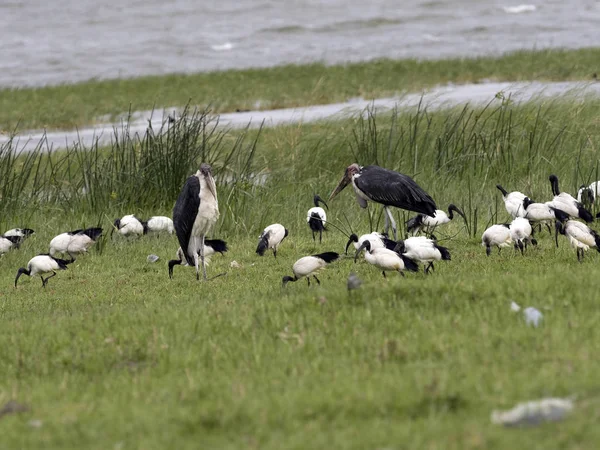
column 341, row 185
column 457, row 211
column 360, row 249
column 172, row 263
column 353, row 238
column 320, row 200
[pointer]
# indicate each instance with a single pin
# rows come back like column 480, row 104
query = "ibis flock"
column 197, row 210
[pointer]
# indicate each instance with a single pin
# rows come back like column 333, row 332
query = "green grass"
column 68, row 106
column 113, row 354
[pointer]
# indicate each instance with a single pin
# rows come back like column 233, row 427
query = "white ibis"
column 567, row 203
column 21, row 233
column 521, row 233
column 389, row 188
column 586, row 195
column 74, row 242
column 425, row 223
column 40, row 265
column 308, row 266
column 271, row 237
column 496, row 236
column 129, row 225
column 196, row 212
column 581, row 237
column 211, row 246
column 539, row 213
column 420, row 249
column 7, row 243
column 377, row 240
column 513, row 202
column 316, row 218
column 386, row 260
column 158, row 224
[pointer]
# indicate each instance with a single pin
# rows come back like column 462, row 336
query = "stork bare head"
column 346, row 179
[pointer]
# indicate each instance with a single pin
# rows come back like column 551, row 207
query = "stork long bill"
column 342, row 184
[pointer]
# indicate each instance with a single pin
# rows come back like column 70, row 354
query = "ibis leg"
column 392, row 221
column 318, row 282
column 383, row 273
column 202, row 257
column 44, row 281
column 275, row 253
column 308, row 279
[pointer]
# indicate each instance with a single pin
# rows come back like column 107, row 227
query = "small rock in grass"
column 35, row 423
column 234, row 265
column 353, row 281
column 532, row 316
column 534, row 412
column 514, row 307
column 152, row 258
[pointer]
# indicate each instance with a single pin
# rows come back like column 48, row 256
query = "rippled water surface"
column 49, row 42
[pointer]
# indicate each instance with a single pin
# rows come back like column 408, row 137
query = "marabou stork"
column 316, row 218
column 425, row 223
column 421, row 249
column 567, row 203
column 195, row 213
column 211, row 246
column 498, row 236
column 40, row 265
column 386, row 260
column 308, row 266
column 389, row 188
column 271, row 237
column 74, row 242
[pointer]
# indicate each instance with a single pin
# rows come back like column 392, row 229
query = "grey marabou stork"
column 195, row 213
column 389, row 188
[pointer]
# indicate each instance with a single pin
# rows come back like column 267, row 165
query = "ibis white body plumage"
column 41, row 265
column 567, row 203
column 581, row 237
column 496, row 236
column 521, row 233
column 270, row 238
column 513, row 202
column 385, row 259
column 21, row 233
column 426, row 223
column 421, row 250
column 129, row 225
column 7, row 243
column 74, row 242
column 196, row 212
column 377, row 240
column 317, row 218
column 308, row 266
column 588, row 194
column 158, row 224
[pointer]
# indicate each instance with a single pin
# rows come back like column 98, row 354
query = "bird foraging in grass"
column 513, row 202
column 567, row 203
column 196, row 212
column 427, row 224
column 521, row 233
column 158, row 224
column 21, row 233
column 270, row 238
column 7, row 243
column 386, row 260
column 211, row 246
column 129, row 225
column 42, row 264
column 377, row 240
column 74, row 242
column 581, row 237
column 389, row 188
column 308, row 266
column 420, row 249
column 496, row 236
column 317, row 218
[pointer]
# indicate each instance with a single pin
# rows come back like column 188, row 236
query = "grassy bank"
column 114, row 354
column 287, row 86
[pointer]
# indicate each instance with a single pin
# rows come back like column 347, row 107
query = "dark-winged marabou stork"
column 389, row 188
column 195, row 213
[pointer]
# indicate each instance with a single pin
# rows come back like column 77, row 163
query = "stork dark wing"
column 184, row 214
column 394, row 189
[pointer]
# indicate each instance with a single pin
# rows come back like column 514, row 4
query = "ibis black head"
column 317, row 200
column 560, row 215
column 452, row 208
column 526, row 202
column 287, row 279
column 504, row 193
column 554, row 183
column 346, row 179
column 20, row 272
column 27, row 231
column 365, row 245
column 353, row 238
column 117, row 224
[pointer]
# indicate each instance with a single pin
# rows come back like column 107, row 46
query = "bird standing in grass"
column 427, row 224
column 40, row 265
column 317, row 218
column 308, row 266
column 420, row 249
column 389, row 188
column 581, row 237
column 586, row 195
column 271, row 237
column 129, row 225
column 377, row 240
column 7, row 243
column 386, row 260
column 539, row 213
column 513, row 202
column 496, row 236
column 21, row 233
column 74, row 242
column 521, row 233
column 211, row 246
column 567, row 203
column 158, row 224
column 196, row 212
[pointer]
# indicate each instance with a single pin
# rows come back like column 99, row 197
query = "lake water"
column 48, row 42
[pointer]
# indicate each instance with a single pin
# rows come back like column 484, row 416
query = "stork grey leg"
column 392, row 221
column 202, row 257
column 196, row 265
